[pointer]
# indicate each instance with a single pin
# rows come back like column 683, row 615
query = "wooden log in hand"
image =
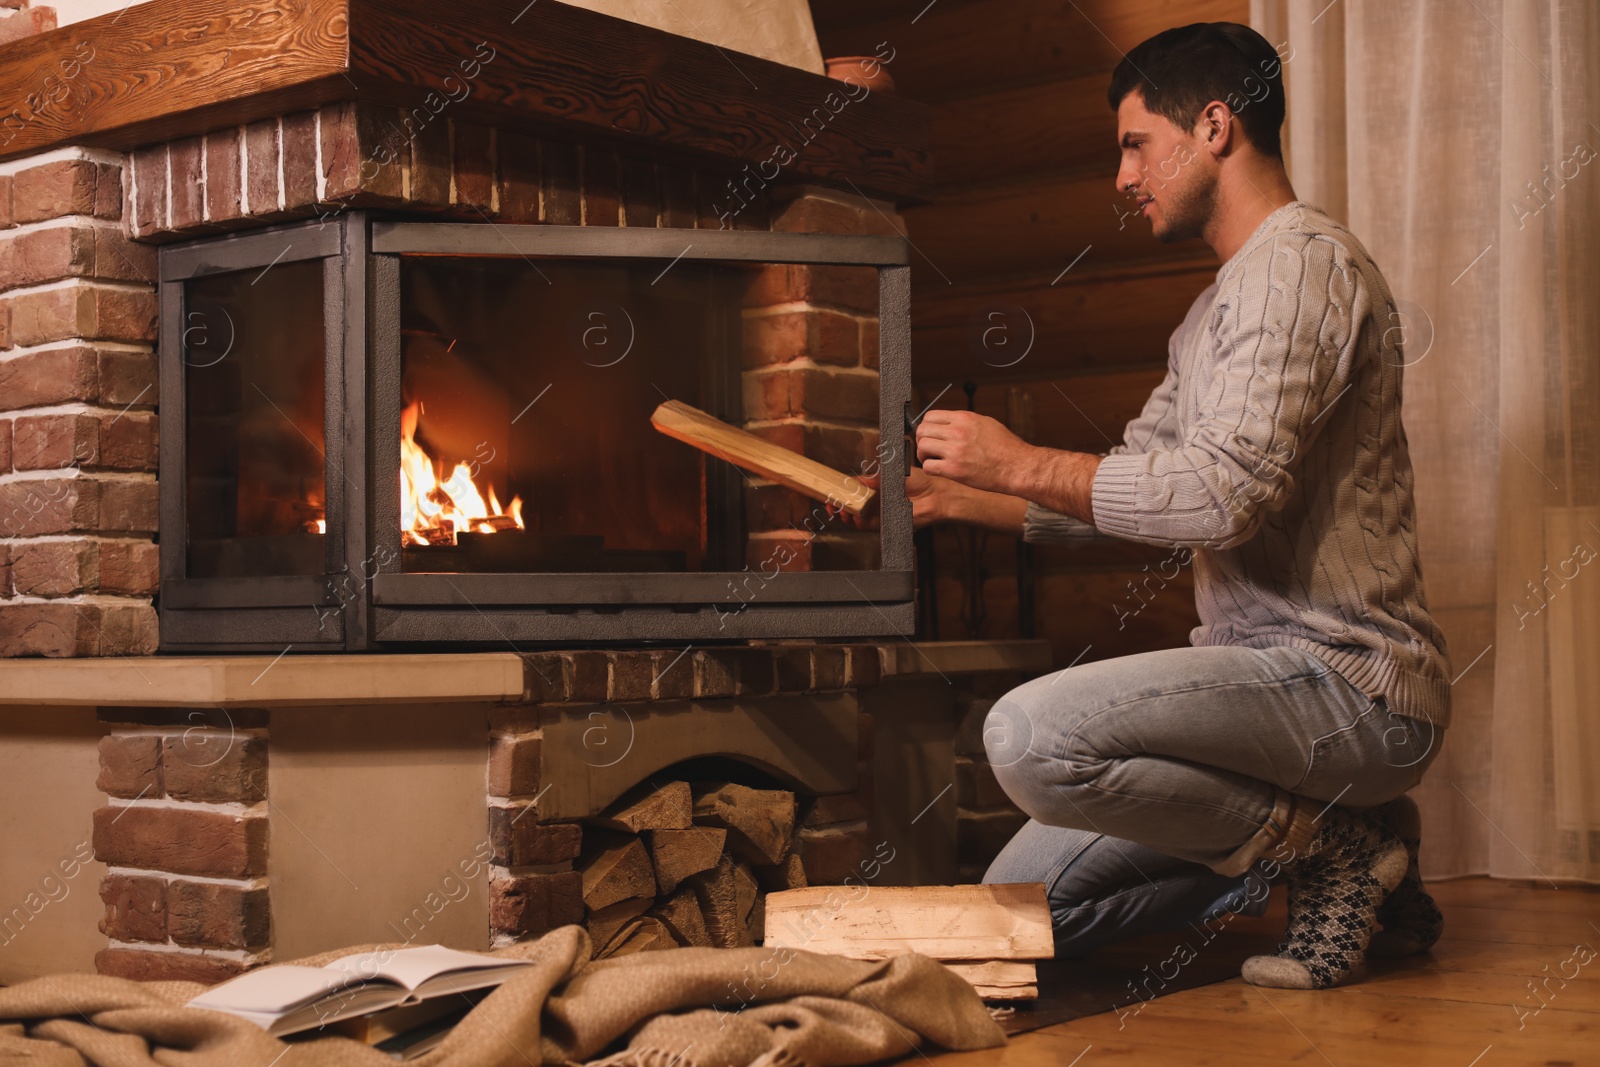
column 744, row 449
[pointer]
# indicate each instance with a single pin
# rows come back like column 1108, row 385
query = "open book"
column 287, row 999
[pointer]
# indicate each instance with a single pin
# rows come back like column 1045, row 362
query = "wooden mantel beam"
column 173, row 68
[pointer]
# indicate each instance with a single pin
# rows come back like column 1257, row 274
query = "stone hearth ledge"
column 583, row 675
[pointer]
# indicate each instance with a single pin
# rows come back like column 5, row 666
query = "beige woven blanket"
column 690, row 1007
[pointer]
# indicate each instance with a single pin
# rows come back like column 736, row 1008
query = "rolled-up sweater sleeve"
column 1284, row 343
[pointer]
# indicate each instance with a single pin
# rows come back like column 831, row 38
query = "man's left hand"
column 973, row 449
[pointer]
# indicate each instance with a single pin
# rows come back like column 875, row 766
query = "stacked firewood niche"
column 685, row 863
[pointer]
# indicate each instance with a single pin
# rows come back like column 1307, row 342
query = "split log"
column 679, row 853
column 1000, row 979
column 970, row 922
column 605, row 923
column 760, row 822
column 617, row 869
column 666, row 807
column 744, row 449
column 717, row 892
column 644, row 934
column 684, row 918
column 790, row 874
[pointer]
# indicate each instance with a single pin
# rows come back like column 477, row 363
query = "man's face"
column 1167, row 171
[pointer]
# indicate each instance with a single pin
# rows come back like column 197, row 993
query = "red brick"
column 130, row 766
column 976, row 786
column 523, row 842
column 556, row 677
column 46, row 256
column 150, row 189
column 5, row 324
column 129, row 568
column 204, row 914
column 518, row 159
column 640, row 198
column 602, row 188
column 5, row 453
column 820, row 214
column 850, row 288
column 47, row 505
column 86, row 310
column 632, row 675
column 7, row 218
column 299, row 159
column 824, row 336
column 120, row 260
column 136, row 908
column 869, row 343
column 793, row 663
column 560, row 186
column 777, row 507
column 673, row 674
column 188, row 184
column 430, row 161
column 43, row 442
column 54, row 568
column 341, row 151
column 261, row 152
column 473, row 157
column 814, row 391
column 182, row 841
column 5, row 571
column 829, row 856
column 166, row 966
column 127, row 507
column 26, row 23
column 865, row 665
column 64, row 187
column 677, row 197
column 529, row 905
column 223, row 163
column 126, row 379
column 783, row 553
column 514, row 766
column 214, row 766
column 108, row 191
column 63, row 629
column 828, row 668
column 127, row 442
column 840, row 447
column 54, row 630
column 734, row 672
column 833, row 810
column 127, row 629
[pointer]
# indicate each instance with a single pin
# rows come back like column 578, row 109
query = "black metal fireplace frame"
column 364, row 601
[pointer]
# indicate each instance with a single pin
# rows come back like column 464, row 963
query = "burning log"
column 744, row 449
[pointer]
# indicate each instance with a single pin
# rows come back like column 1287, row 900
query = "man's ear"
column 1216, row 119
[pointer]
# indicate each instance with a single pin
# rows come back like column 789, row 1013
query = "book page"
column 271, row 990
column 411, row 967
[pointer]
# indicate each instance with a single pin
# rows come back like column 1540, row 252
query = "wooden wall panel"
column 959, row 48
column 1096, row 323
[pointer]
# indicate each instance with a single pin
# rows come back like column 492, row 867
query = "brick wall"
column 19, row 18
column 77, row 412
column 184, row 841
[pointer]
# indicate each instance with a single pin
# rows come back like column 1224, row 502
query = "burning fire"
column 433, row 512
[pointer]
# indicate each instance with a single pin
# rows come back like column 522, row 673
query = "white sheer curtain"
column 1460, row 140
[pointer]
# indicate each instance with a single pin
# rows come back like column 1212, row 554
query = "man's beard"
column 1186, row 210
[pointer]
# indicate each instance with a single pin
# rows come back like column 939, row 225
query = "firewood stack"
column 687, row 864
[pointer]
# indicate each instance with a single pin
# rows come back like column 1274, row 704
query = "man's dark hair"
column 1180, row 71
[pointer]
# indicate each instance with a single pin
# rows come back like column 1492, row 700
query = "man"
column 1317, row 687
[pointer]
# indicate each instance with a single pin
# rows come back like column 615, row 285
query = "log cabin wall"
column 1034, row 283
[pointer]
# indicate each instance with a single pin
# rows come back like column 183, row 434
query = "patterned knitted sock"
column 1335, row 887
column 1411, row 921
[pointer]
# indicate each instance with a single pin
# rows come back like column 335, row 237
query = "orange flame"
column 433, row 512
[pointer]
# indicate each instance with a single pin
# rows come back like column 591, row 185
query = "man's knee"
column 1041, row 739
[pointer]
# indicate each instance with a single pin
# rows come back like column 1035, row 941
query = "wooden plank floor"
column 1471, row 1003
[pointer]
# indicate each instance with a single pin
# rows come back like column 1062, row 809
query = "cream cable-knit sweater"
column 1274, row 450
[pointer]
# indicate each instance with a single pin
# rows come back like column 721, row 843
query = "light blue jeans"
column 1155, row 781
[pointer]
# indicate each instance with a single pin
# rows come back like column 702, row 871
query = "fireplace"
column 404, row 433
